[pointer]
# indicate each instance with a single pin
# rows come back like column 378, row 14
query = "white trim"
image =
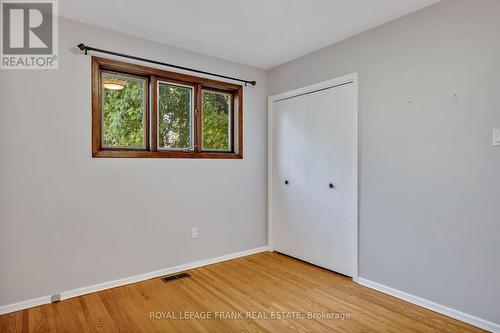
column 356, row 178
column 24, row 305
column 466, row 318
column 128, row 280
column 314, row 87
column 270, row 148
column 270, row 173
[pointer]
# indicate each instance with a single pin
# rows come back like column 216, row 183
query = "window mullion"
column 154, row 114
column 147, row 102
column 198, row 118
column 232, row 124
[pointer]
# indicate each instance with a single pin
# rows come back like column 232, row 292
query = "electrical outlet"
column 496, row 137
column 194, row 233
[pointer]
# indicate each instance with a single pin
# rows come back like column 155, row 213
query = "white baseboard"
column 466, row 318
column 24, row 304
column 128, row 280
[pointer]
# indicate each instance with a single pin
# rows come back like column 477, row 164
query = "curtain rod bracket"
column 86, row 48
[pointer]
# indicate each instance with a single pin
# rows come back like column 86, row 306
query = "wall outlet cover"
column 496, row 137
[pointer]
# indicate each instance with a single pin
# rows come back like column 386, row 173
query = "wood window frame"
column 152, row 77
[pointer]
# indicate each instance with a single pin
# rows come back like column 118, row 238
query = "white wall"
column 429, row 87
column 68, row 220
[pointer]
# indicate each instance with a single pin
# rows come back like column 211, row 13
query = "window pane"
column 174, row 116
column 216, row 121
column 123, row 111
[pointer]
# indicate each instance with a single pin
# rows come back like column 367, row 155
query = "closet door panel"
column 342, row 173
column 318, row 133
column 289, row 203
column 299, row 187
column 283, row 233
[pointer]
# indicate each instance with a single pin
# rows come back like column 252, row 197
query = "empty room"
column 250, row 166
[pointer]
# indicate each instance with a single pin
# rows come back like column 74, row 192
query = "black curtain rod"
column 87, row 48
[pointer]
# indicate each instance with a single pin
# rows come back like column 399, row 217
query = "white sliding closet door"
column 315, row 213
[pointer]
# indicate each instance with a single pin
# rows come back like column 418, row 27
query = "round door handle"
column 330, row 185
column 286, row 182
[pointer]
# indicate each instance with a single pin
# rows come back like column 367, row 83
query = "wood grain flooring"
column 266, row 292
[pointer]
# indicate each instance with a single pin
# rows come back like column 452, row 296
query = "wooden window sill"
column 163, row 154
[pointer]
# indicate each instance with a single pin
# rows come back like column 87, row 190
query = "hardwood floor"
column 253, row 287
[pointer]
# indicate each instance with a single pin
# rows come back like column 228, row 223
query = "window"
column 216, row 121
column 145, row 112
column 175, row 116
column 123, row 111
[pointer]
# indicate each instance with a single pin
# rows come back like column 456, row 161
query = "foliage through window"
column 123, row 111
column 145, row 112
column 216, row 123
column 175, row 116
